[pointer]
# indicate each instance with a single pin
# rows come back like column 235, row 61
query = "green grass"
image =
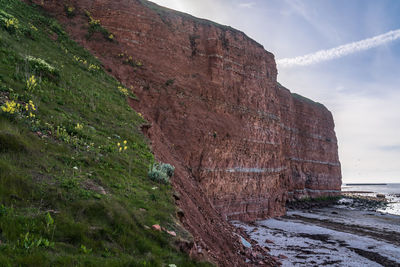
column 307, row 100
column 52, row 173
column 302, row 98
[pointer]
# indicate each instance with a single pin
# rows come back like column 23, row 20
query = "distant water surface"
column 391, row 191
column 379, row 189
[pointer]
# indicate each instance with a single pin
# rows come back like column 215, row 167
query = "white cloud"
column 247, row 5
column 340, row 51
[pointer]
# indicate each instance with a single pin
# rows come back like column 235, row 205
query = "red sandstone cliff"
column 242, row 144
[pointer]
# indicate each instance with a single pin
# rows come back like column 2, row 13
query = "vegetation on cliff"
column 74, row 186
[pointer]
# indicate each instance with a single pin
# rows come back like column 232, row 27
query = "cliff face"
column 243, row 145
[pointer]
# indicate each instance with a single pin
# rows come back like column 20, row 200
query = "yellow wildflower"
column 31, row 83
column 125, row 147
column 34, row 28
column 93, row 67
column 9, row 107
column 125, row 142
column 123, row 90
column 12, row 23
column 79, row 126
column 32, row 105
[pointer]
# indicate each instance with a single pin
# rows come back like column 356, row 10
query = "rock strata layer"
column 242, row 144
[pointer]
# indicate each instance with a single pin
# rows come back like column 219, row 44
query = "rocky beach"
column 351, row 231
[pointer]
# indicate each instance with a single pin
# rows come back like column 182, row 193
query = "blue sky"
column 360, row 87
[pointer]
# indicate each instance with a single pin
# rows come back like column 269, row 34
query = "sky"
column 343, row 54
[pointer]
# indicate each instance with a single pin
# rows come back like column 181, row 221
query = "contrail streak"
column 340, row 51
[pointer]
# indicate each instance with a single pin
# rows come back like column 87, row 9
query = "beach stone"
column 156, row 227
column 266, row 249
column 171, row 233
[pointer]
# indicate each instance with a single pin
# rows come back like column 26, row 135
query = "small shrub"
column 129, row 60
column 10, row 23
column 41, row 67
column 110, row 37
column 161, row 172
column 49, row 220
column 95, row 26
column 57, row 28
column 93, row 67
column 70, row 11
column 168, row 169
column 158, row 176
column 62, row 134
column 85, row 250
column 123, row 90
column 78, row 127
column 3, row 210
column 30, row 241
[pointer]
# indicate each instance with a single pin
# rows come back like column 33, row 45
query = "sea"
column 391, row 192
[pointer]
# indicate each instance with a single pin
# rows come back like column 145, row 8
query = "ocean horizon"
column 378, row 188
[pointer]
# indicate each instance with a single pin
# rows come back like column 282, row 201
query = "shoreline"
column 351, row 232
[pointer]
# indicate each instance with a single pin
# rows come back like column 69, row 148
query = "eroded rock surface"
column 241, row 143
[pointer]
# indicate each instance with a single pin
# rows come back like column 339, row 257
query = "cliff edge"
column 241, row 143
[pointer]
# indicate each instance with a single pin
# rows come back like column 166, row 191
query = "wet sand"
column 332, row 236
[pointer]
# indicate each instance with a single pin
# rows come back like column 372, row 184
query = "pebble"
column 156, row 227
column 171, row 233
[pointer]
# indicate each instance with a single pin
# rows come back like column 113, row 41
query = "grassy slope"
column 57, row 176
